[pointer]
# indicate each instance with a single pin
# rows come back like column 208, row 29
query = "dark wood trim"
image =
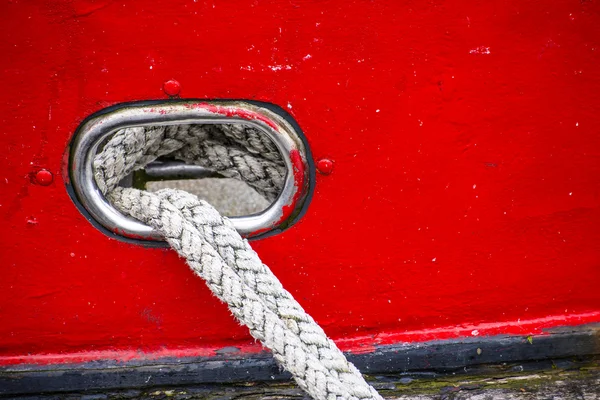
column 436, row 357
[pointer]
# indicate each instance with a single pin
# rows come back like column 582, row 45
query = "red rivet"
column 171, row 87
column 44, row 177
column 325, row 166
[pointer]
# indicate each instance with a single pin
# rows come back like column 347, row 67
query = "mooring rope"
column 218, row 254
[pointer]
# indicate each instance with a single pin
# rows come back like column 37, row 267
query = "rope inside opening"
column 233, row 151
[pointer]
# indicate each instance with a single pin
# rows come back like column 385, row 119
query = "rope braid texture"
column 218, row 254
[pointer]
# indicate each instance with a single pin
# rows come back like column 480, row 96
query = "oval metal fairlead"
column 270, row 120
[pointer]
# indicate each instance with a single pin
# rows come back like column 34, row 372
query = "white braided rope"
column 218, row 254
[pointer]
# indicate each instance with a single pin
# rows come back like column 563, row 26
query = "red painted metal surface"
column 172, row 87
column 465, row 198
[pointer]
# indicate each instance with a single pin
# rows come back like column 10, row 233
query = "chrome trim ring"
column 96, row 130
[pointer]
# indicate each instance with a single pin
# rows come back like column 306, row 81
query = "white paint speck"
column 280, row 67
column 475, row 332
column 576, row 123
column 570, row 193
column 433, row 259
column 289, row 105
column 474, row 186
column 480, row 50
column 377, row 110
column 307, row 57
column 72, row 254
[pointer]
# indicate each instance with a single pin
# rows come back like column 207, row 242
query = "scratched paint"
column 465, row 199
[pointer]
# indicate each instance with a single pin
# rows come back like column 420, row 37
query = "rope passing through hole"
column 218, row 254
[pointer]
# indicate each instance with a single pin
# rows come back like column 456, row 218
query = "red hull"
column 464, row 198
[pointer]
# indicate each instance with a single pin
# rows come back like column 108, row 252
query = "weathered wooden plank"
column 580, row 383
column 562, row 349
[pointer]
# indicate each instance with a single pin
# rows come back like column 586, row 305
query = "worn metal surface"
column 464, row 199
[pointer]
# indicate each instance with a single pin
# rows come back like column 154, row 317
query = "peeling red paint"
column 299, row 174
column 236, row 112
column 354, row 345
column 121, row 355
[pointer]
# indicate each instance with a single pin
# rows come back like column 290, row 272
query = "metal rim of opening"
column 283, row 212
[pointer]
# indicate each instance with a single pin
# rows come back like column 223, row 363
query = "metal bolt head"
column 44, row 177
column 325, row 166
column 171, row 87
